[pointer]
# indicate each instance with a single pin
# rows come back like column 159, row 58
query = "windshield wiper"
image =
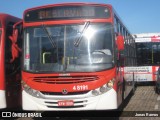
column 77, row 42
column 49, row 36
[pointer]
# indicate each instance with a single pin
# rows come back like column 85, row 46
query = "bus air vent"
column 64, row 79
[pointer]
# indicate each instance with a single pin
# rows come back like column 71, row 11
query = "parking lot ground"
column 143, row 105
column 144, row 99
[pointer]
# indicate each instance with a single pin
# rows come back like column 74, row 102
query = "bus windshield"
column 68, row 48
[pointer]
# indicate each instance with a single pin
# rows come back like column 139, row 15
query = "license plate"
column 66, row 103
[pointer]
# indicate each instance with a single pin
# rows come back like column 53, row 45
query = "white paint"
column 146, row 35
column 141, row 73
column 105, row 101
column 2, row 99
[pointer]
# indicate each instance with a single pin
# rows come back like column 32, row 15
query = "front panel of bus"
column 69, row 58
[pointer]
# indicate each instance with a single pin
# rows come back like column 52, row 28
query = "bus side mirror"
column 15, row 35
column 120, row 42
column 14, row 47
column 14, row 38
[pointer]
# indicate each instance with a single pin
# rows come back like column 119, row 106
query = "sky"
column 139, row 16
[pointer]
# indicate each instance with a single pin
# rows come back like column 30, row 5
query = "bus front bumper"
column 106, row 101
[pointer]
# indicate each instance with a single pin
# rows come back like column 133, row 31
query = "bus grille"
column 65, row 80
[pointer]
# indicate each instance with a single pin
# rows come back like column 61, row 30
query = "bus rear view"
column 70, row 57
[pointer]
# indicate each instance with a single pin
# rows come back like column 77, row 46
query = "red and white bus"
column 10, row 85
column 148, row 60
column 74, row 58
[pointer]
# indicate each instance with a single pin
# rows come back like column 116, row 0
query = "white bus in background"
column 148, row 57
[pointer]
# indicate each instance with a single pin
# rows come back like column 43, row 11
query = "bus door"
column 12, row 68
column 120, row 69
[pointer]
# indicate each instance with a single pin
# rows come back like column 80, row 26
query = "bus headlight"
column 103, row 89
column 111, row 83
column 31, row 91
column 95, row 92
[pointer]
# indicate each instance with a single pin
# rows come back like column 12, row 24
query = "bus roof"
column 68, row 3
column 4, row 18
column 146, row 35
column 76, row 3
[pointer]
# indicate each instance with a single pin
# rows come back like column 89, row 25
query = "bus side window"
column 115, row 24
column 8, row 43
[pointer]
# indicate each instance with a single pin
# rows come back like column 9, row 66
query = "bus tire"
column 157, row 90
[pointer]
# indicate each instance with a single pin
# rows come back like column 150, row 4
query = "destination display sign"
column 66, row 12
